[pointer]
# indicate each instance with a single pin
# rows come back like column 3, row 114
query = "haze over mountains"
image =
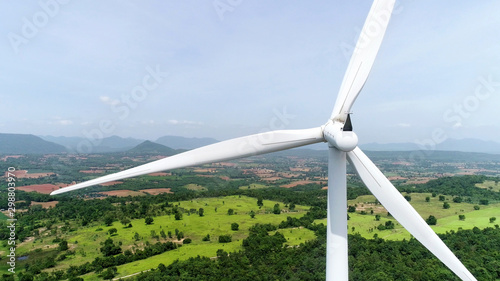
column 27, row 144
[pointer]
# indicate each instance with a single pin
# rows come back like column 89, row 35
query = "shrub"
column 234, row 226
column 431, row 220
column 224, row 238
column 149, row 220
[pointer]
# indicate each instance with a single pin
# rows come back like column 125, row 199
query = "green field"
column 447, row 219
column 3, row 217
column 195, row 187
column 491, row 185
column 254, row 186
column 86, row 240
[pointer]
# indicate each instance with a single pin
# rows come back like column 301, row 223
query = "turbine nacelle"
column 336, row 135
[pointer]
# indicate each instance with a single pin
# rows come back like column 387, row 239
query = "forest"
column 262, row 246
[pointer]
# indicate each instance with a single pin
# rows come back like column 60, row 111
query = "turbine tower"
column 342, row 147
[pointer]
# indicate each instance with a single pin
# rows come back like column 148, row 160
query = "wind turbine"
column 342, row 146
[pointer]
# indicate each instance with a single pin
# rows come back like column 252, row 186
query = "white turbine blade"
column 222, row 151
column 403, row 212
column 363, row 57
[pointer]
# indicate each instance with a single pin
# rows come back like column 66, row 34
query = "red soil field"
column 122, row 193
column 92, row 171
column 24, row 174
column 297, row 183
column 156, row 191
column 111, row 183
column 45, row 205
column 160, row 174
column 42, row 188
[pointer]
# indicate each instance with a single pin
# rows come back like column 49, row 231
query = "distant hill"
column 176, row 142
column 149, row 147
column 27, row 144
column 109, row 144
column 464, row 145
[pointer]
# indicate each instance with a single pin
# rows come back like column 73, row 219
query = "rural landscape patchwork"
column 259, row 218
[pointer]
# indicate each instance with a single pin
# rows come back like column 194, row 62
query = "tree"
column 493, row 219
column 441, row 198
column 187, row 241
column 351, row 209
column 112, row 231
column 277, row 209
column 427, row 199
column 137, row 237
column 230, row 212
column 178, row 216
column 109, row 273
column 291, row 207
column 446, row 205
column 389, row 225
column 461, row 217
column 431, row 220
column 109, row 248
column 408, row 198
column 108, row 220
column 457, row 199
column 259, row 202
column 224, row 238
column 63, row 245
column 206, row 238
column 125, row 221
column 377, row 217
column 252, row 214
column 149, row 220
column 234, row 226
column 201, row 212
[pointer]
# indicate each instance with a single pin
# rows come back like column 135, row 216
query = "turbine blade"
column 403, row 212
column 363, row 57
column 222, row 151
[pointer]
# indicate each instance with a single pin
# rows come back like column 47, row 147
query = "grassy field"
column 86, row 240
column 195, row 187
column 254, row 186
column 491, row 185
column 447, row 219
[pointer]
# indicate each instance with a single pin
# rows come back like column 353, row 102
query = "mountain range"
column 464, row 145
column 27, row 144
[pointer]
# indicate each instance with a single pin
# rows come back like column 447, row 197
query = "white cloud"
column 183, row 122
column 65, row 122
column 109, row 101
column 404, row 125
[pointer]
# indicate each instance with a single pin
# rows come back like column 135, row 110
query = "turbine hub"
column 338, row 137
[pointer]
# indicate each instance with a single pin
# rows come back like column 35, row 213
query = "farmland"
column 191, row 208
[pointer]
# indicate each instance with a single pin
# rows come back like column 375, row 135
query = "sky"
column 229, row 68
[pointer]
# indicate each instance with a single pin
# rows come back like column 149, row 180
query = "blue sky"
column 153, row 68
